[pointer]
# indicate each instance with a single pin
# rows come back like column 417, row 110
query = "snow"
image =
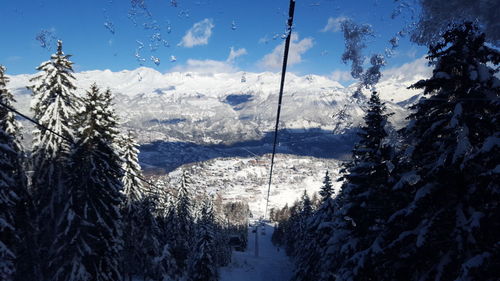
column 145, row 95
column 271, row 265
column 245, row 179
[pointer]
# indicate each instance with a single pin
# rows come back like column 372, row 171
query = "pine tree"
column 148, row 242
column 449, row 227
column 165, row 265
column 8, row 200
column 326, row 191
column 202, row 266
column 133, row 188
column 53, row 105
column 16, row 201
column 362, row 206
column 88, row 243
column 133, row 191
column 182, row 237
column 317, row 234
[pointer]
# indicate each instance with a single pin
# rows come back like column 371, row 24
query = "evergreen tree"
column 183, row 221
column 133, row 188
column 449, row 227
column 8, row 200
column 131, row 209
column 362, row 206
column 326, row 191
column 202, row 266
column 53, row 105
column 165, row 265
column 14, row 190
column 148, row 242
column 88, row 243
column 317, row 234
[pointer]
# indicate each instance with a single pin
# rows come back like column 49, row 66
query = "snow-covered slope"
column 246, row 179
column 221, row 126
column 220, row 108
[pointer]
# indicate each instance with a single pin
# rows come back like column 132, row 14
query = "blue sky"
column 248, row 27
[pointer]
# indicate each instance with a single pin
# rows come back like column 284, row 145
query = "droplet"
column 109, row 25
column 173, row 59
column 184, row 14
column 153, row 46
column 141, row 45
column 233, row 25
column 46, row 38
column 138, row 57
column 156, row 37
column 155, row 60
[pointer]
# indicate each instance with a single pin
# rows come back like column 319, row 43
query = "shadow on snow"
column 163, row 156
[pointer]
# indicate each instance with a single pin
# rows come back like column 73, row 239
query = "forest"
column 421, row 205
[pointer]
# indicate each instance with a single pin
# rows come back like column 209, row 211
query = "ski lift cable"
column 72, row 142
column 280, row 99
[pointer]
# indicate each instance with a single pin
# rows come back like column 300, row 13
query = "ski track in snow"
column 271, row 265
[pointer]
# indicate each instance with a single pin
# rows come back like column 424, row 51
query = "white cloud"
column 205, row 67
column 341, row 76
column 212, row 66
column 333, row 24
column 263, row 40
column 412, row 71
column 274, row 59
column 233, row 54
column 198, row 34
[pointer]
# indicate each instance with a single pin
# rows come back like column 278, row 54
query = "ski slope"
column 270, row 265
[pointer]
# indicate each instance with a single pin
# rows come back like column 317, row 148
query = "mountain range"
column 189, row 118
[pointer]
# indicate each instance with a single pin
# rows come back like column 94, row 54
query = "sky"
column 199, row 35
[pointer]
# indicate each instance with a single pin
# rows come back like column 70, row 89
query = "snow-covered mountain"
column 222, row 121
column 219, row 108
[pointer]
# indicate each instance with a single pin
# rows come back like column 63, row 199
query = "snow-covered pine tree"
column 294, row 228
column 317, row 234
column 202, row 264
column 306, row 211
column 23, row 211
column 8, row 118
column 362, row 201
column 8, row 201
column 148, row 244
column 133, row 191
column 8, row 186
column 166, row 218
column 53, row 105
column 133, row 188
column 165, row 265
column 326, row 191
column 449, row 228
column 223, row 249
column 182, row 219
column 89, row 243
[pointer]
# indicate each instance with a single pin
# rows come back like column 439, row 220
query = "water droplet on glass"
column 233, row 25
column 173, row 59
column 46, row 38
column 109, row 25
column 141, row 45
column 155, row 60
